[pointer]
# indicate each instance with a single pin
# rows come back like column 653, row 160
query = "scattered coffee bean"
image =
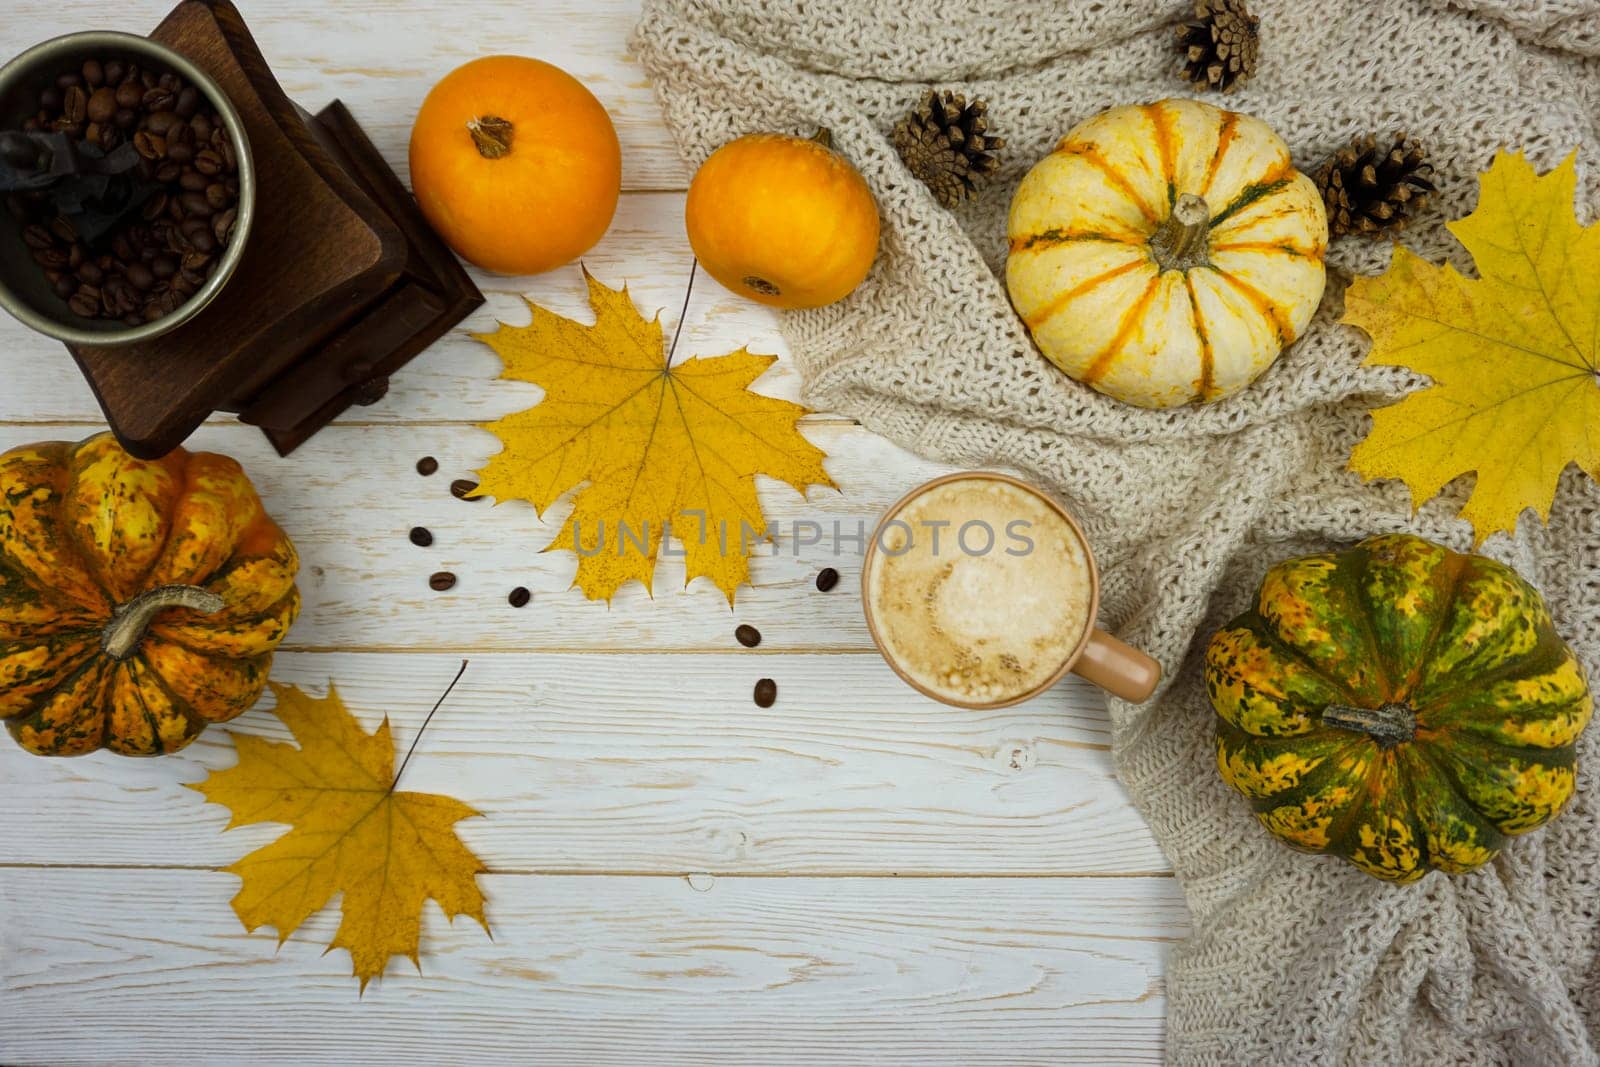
column 427, row 465
column 167, row 240
column 766, row 693
column 441, row 581
column 827, row 578
column 747, row 635
column 421, row 537
column 462, row 488
column 519, row 597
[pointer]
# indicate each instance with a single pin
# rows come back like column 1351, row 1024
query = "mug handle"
column 1118, row 668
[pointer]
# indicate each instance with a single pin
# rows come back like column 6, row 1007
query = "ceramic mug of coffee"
column 981, row 591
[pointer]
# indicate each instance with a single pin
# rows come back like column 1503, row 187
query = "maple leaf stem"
column 437, row 705
column 694, row 265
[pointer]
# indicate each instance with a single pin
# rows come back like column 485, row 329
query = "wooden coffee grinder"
column 341, row 284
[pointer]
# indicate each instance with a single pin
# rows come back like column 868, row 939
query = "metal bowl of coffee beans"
column 126, row 184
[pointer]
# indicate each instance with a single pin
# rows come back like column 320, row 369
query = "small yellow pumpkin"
column 785, row 221
column 1166, row 253
column 139, row 600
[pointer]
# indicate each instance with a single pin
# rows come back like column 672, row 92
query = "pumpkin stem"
column 823, row 137
column 1388, row 725
column 492, row 135
column 1180, row 242
column 128, row 624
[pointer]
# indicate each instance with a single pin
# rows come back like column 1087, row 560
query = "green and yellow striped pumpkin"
column 1398, row 704
column 139, row 601
column 1166, row 253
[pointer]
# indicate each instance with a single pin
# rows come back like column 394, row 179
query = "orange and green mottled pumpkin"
column 1399, row 704
column 139, row 601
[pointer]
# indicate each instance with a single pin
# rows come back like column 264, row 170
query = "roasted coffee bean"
column 462, row 488
column 180, row 151
column 188, row 100
column 827, row 578
column 129, row 94
column 441, row 581
column 94, row 75
column 189, row 280
column 117, row 296
column 68, row 80
column 747, row 635
column 208, row 161
column 74, row 105
column 201, row 125
column 125, row 118
column 222, row 225
column 195, row 205
column 201, row 238
column 161, row 122
column 114, row 70
column 766, row 693
column 427, row 465
column 154, row 206
column 163, row 267
column 149, row 145
column 103, row 104
column 217, row 196
column 169, row 301
column 519, row 597
column 140, row 276
column 421, row 537
column 157, row 99
column 51, row 258
column 65, row 286
column 50, row 100
column 230, row 162
column 37, row 237
column 85, row 302
column 170, row 82
column 62, row 227
column 168, row 172
column 196, row 261
column 193, row 181
column 89, row 271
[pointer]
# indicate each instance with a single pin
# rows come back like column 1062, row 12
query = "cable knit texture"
column 1295, row 959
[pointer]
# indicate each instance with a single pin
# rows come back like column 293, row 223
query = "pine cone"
column 945, row 142
column 1219, row 48
column 1368, row 188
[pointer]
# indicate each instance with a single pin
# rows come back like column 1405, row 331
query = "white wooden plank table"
column 853, row 875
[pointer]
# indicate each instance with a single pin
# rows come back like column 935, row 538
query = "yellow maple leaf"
column 1513, row 353
column 385, row 851
column 659, row 447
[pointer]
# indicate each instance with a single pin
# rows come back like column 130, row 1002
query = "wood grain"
column 854, row 876
column 349, row 497
column 457, row 379
column 652, row 763
column 600, row 971
column 381, row 58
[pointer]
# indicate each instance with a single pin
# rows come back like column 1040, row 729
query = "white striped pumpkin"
column 1166, row 253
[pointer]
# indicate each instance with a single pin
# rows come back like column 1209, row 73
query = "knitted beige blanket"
column 1295, row 959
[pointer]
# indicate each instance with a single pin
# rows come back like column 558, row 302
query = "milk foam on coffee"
column 996, row 606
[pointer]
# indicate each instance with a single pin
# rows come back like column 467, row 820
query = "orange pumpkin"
column 783, row 220
column 515, row 164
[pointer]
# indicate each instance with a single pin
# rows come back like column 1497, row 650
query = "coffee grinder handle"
column 1118, row 668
